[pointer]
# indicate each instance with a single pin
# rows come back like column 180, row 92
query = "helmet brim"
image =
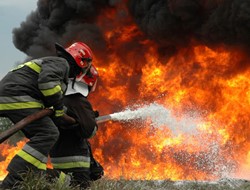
column 61, row 52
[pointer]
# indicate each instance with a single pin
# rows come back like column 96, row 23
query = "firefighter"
column 32, row 86
column 72, row 152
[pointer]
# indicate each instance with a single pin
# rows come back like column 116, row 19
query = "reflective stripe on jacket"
column 36, row 84
column 19, row 102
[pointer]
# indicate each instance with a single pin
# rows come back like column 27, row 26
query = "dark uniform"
column 31, row 87
column 72, row 152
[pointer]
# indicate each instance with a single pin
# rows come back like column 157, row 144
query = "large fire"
column 189, row 83
column 197, row 81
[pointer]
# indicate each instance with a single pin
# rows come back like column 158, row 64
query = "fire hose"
column 38, row 115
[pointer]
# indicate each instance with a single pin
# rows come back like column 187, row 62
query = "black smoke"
column 170, row 23
column 60, row 21
column 208, row 21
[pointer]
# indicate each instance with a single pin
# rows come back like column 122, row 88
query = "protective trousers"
column 71, row 155
column 42, row 135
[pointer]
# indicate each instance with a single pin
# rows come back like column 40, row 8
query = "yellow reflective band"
column 51, row 91
column 59, row 113
column 71, row 165
column 32, row 160
column 22, row 105
column 33, row 66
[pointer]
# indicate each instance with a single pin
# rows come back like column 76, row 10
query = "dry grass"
column 39, row 182
column 223, row 184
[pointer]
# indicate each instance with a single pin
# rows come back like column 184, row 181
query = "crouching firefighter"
column 72, row 152
column 32, row 86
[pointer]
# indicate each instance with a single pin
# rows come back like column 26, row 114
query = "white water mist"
column 159, row 116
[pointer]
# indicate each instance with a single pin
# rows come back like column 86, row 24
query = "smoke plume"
column 170, row 23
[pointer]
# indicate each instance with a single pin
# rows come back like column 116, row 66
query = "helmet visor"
column 84, row 70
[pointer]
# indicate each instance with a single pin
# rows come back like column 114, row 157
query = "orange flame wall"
column 198, row 79
column 209, row 81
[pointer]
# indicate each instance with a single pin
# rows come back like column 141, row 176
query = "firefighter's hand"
column 69, row 120
column 96, row 113
column 60, row 118
column 65, row 121
column 59, row 112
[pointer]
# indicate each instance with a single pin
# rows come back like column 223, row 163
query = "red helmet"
column 81, row 53
column 78, row 54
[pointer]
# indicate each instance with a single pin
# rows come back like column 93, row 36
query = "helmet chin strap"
column 75, row 75
column 73, row 82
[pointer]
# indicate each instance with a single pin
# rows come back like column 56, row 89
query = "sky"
column 12, row 13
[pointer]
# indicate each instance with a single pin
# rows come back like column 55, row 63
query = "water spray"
column 157, row 114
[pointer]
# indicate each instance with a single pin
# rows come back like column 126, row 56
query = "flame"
column 7, row 153
column 192, row 82
column 198, row 80
column 208, row 83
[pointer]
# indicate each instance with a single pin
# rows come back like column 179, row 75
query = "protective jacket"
column 27, row 89
column 35, row 84
column 70, row 146
column 72, row 152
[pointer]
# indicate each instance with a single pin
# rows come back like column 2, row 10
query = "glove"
column 59, row 112
column 57, row 117
column 96, row 113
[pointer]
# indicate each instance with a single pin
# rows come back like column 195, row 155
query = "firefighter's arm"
column 65, row 122
column 52, row 83
column 83, row 113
